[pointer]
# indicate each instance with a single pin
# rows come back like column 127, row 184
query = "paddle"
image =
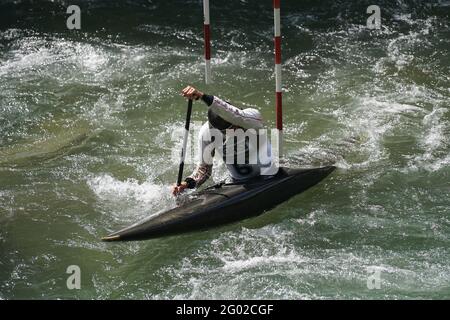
column 186, row 134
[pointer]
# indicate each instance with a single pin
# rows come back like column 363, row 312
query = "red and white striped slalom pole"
column 207, row 37
column 278, row 94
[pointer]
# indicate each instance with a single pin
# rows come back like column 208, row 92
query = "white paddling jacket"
column 236, row 138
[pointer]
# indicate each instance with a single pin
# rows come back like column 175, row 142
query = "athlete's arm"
column 199, row 176
column 245, row 119
column 195, row 180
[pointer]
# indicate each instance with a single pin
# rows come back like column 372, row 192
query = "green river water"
column 87, row 119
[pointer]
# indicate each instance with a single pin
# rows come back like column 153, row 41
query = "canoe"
column 223, row 204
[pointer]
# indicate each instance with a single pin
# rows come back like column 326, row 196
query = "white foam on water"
column 181, row 34
column 130, row 200
column 369, row 121
column 311, row 219
column 22, row 59
column 11, row 34
column 434, row 137
column 378, row 116
column 281, row 258
column 266, row 264
column 108, row 187
column 33, row 53
column 434, row 142
column 221, row 267
column 399, row 49
column 90, row 58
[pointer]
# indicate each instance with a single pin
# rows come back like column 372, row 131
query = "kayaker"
column 224, row 117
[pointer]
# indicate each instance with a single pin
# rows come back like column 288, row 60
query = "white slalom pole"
column 207, row 40
column 278, row 86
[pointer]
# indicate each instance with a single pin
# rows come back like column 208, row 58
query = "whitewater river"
column 87, row 124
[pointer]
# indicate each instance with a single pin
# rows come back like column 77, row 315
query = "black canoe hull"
column 224, row 204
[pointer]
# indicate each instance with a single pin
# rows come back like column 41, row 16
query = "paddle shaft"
column 186, row 135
